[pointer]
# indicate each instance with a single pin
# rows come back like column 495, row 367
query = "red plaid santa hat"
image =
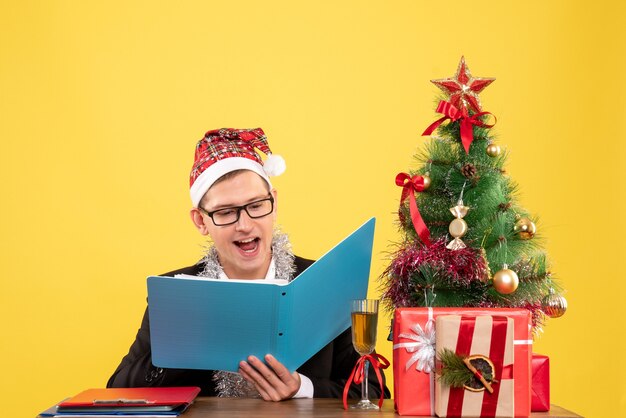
column 224, row 150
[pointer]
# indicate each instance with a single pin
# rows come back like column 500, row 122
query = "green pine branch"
column 453, row 372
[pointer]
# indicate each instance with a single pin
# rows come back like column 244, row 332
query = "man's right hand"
column 274, row 383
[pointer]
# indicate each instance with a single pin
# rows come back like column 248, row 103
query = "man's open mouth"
column 248, row 245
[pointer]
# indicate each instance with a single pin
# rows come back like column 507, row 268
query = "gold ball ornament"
column 493, row 150
column 426, row 181
column 525, row 228
column 505, row 281
column 554, row 305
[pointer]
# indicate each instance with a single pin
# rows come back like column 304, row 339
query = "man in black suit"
column 235, row 204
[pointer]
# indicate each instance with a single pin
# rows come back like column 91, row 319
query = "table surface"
column 318, row 408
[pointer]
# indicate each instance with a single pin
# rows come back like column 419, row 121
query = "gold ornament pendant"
column 493, row 150
column 458, row 227
column 505, row 281
column 525, row 228
column 426, row 178
column 554, row 305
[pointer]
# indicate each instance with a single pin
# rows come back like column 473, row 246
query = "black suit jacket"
column 329, row 369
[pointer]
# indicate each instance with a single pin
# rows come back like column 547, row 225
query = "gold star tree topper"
column 463, row 88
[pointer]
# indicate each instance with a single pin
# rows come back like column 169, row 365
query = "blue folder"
column 214, row 324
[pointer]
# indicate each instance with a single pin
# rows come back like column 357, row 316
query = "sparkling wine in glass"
column 364, row 320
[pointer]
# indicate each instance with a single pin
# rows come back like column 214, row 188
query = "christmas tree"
column 466, row 241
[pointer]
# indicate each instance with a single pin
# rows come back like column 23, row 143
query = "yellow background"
column 101, row 104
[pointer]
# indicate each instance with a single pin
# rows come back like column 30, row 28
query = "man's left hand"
column 274, row 383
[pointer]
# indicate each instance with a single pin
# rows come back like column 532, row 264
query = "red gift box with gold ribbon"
column 488, row 339
column 414, row 357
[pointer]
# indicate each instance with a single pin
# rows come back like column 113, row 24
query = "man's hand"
column 274, row 383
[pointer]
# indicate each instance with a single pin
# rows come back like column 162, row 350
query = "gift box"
column 540, row 383
column 488, row 389
column 414, row 357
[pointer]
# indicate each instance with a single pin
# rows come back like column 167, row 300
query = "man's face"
column 244, row 248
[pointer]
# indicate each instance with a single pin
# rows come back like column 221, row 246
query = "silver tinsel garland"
column 229, row 384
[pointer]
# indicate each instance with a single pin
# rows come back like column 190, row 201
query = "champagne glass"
column 364, row 320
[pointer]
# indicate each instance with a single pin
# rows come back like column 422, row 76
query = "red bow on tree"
column 410, row 185
column 467, row 122
column 358, row 373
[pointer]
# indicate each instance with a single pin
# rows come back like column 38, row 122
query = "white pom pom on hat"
column 274, row 165
column 221, row 151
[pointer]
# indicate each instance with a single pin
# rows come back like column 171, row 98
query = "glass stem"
column 364, row 386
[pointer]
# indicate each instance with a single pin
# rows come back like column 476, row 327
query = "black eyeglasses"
column 228, row 216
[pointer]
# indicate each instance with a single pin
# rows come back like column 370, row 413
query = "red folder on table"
column 160, row 399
